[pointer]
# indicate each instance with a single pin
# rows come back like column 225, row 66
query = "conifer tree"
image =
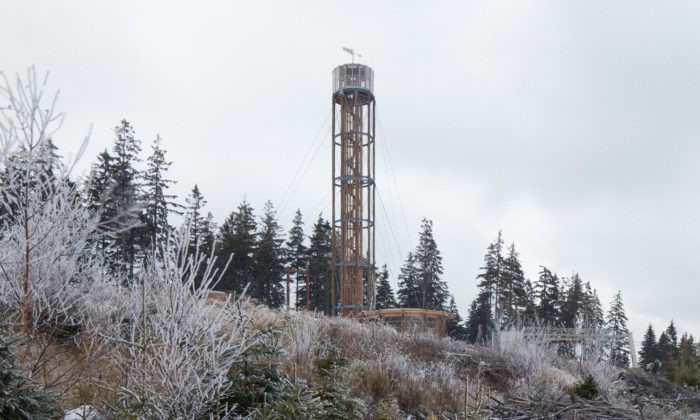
column 617, row 327
column 210, row 235
column 238, row 241
column 99, row 188
column 158, row 203
column 485, row 309
column 668, row 345
column 124, row 198
column 194, row 211
column 672, row 334
column 684, row 369
column 649, row 353
column 512, row 298
column 385, row 296
column 664, row 348
column 268, row 264
column 490, row 279
column 320, row 267
column 408, row 292
column 591, row 308
column 548, row 295
column 529, row 308
column 432, row 289
column 571, row 311
column 296, row 255
column 20, row 397
column 455, row 326
column 480, row 319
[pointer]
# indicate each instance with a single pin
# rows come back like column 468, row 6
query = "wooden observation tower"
column 352, row 237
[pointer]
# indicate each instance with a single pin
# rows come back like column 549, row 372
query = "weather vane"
column 352, row 53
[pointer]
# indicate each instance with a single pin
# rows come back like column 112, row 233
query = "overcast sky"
column 572, row 126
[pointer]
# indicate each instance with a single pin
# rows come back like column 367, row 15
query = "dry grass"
column 413, row 369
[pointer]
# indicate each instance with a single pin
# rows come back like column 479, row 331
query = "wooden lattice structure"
column 409, row 319
column 353, row 128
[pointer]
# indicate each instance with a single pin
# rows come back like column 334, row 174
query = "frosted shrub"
column 531, row 364
column 302, row 341
column 416, row 385
column 63, row 271
column 411, row 367
column 175, row 349
column 535, row 370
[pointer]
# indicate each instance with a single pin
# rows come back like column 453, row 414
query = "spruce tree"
column 158, row 203
column 100, row 184
column 685, row 369
column 617, row 328
column 485, row 310
column 664, row 348
column 649, row 353
column 194, row 211
column 490, row 279
column 99, row 189
column 238, row 241
column 20, row 397
column 512, row 298
column 672, row 335
column 408, row 293
column 268, row 264
column 591, row 308
column 529, row 311
column 455, row 326
column 668, row 346
column 210, row 236
column 385, row 296
column 296, row 255
column 548, row 295
column 124, row 199
column 431, row 288
column 480, row 319
column 571, row 311
column 320, row 267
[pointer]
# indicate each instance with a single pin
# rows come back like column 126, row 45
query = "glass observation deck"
column 353, row 76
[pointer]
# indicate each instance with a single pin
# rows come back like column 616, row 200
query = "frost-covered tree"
column 238, row 240
column 616, row 325
column 385, row 296
column 174, row 349
column 44, row 230
column 268, row 261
